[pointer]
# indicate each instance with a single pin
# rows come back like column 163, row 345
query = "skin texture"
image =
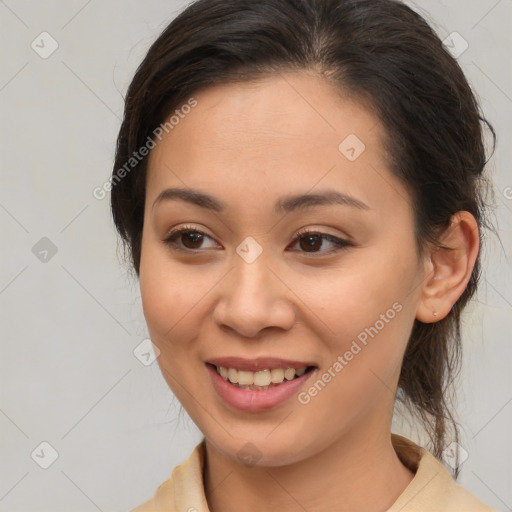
column 248, row 145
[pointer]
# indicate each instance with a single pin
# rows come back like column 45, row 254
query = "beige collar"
column 431, row 490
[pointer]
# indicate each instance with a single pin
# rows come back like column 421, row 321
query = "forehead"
column 282, row 132
column 297, row 106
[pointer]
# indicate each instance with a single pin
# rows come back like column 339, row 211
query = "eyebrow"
column 283, row 205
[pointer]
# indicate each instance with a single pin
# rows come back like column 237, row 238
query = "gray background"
column 71, row 320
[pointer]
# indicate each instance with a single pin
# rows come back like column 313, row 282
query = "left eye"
column 309, row 241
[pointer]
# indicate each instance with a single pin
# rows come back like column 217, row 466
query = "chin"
column 261, row 449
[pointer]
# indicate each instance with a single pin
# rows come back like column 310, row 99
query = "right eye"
column 186, row 238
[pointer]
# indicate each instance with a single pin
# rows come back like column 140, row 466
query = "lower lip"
column 254, row 400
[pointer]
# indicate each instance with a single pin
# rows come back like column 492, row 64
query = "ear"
column 448, row 268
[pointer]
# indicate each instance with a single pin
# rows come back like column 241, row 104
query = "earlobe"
column 449, row 268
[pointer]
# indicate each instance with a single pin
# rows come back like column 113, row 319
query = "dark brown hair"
column 379, row 51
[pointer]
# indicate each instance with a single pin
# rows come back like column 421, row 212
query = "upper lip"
column 260, row 363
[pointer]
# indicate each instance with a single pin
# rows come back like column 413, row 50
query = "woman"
column 299, row 185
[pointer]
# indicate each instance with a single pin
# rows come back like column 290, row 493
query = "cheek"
column 355, row 296
column 367, row 312
column 363, row 365
column 162, row 292
column 172, row 295
column 168, row 298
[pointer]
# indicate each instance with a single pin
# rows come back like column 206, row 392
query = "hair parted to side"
column 384, row 54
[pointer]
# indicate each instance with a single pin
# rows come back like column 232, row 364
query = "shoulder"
column 183, row 490
column 432, row 489
column 154, row 503
column 462, row 500
column 147, row 506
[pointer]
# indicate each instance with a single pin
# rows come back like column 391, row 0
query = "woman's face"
column 276, row 158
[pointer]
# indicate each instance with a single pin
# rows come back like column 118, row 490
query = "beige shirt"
column 431, row 490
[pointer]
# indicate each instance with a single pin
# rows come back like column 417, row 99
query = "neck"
column 359, row 472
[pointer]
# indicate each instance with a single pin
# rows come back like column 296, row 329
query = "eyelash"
column 171, row 240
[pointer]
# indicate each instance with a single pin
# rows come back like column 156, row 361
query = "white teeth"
column 262, row 379
column 233, row 375
column 289, row 373
column 277, row 375
column 245, row 378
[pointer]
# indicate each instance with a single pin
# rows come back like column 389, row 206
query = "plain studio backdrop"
column 86, row 423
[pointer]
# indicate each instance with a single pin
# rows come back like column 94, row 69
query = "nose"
column 253, row 298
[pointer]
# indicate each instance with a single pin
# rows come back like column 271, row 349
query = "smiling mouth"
column 262, row 379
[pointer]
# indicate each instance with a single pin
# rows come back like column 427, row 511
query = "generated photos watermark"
column 100, row 192
column 355, row 348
